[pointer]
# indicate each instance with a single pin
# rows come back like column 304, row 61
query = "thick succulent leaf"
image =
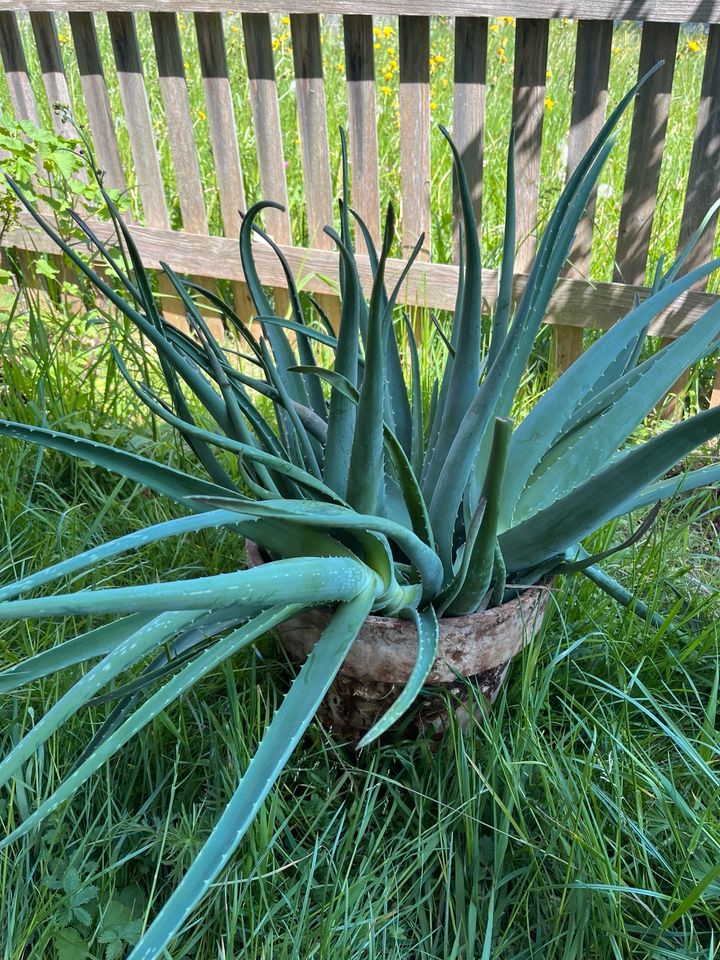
column 279, row 741
column 132, row 541
column 608, row 494
column 155, row 704
column 556, row 409
column 418, row 430
column 367, row 469
column 87, row 646
column 428, row 633
column 129, row 651
column 166, row 480
column 482, row 561
column 503, row 305
column 282, row 349
column 675, row 487
column 407, row 480
column 462, row 563
column 331, row 516
column 495, row 397
column 300, row 328
column 464, row 379
column 152, row 329
column 341, row 416
column 309, row 580
column 587, row 448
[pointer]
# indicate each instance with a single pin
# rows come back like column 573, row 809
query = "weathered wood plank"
column 312, row 126
column 268, row 134
column 414, row 35
column 223, row 135
column 647, row 145
column 471, row 35
column 667, row 11
column 138, row 119
column 596, row 305
column 704, row 174
column 53, row 70
column 531, row 46
column 592, row 67
column 173, row 87
column 92, row 79
column 362, row 121
column 16, row 69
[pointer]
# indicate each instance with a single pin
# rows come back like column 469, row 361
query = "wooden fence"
column 577, row 304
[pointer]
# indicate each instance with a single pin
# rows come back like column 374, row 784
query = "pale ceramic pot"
column 479, row 647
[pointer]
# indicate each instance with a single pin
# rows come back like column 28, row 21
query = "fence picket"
column 223, row 135
column 704, row 174
column 362, row 121
column 53, row 70
column 92, row 79
column 16, row 69
column 471, row 35
column 590, row 83
column 415, row 132
column 268, row 135
column 531, row 46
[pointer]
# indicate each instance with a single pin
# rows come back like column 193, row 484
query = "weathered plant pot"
column 479, row 647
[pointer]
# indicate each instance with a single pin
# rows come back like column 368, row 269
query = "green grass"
column 578, row 819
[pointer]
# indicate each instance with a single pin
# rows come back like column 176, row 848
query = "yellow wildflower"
column 187, row 66
column 388, row 31
column 433, row 105
column 501, row 54
column 693, row 46
column 234, row 28
column 285, row 20
column 201, row 115
column 388, row 74
column 393, row 65
column 377, row 31
column 494, row 27
column 275, row 44
column 616, row 49
column 548, row 74
column 443, row 82
column 508, row 19
column 549, row 103
column 391, row 51
column 377, row 46
column 386, row 90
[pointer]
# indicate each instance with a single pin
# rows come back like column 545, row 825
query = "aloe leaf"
column 582, row 451
column 582, row 559
column 328, row 515
column 499, row 387
column 606, row 495
column 126, row 653
column 310, row 332
column 365, row 477
column 690, row 245
column 407, row 480
column 428, row 633
column 566, row 398
column 152, row 329
column 503, row 304
column 279, row 741
column 464, row 377
column 87, row 646
column 312, row 394
column 675, row 487
column 109, row 259
column 315, row 580
column 482, row 562
column 613, row 589
column 449, row 592
column 166, row 480
column 284, row 354
column 154, row 705
column 132, row 541
column 417, row 430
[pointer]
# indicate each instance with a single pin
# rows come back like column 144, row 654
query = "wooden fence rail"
column 579, row 303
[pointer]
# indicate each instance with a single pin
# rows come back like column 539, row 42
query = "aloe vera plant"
column 363, row 500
